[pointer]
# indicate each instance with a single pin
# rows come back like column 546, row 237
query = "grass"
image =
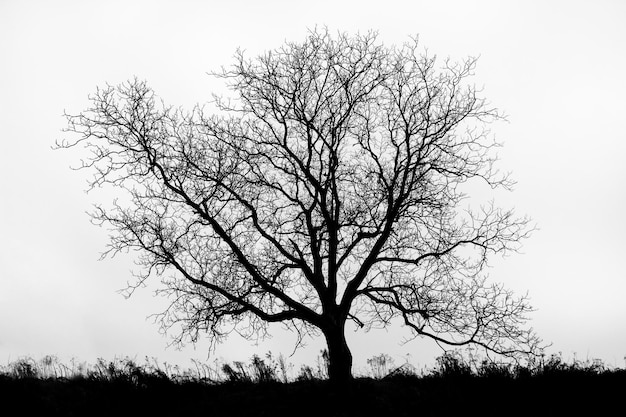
column 264, row 387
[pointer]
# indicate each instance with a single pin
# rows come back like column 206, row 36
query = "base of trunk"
column 339, row 357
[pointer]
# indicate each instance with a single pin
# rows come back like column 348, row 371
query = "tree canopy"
column 328, row 187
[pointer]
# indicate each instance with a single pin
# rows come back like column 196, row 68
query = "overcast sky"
column 558, row 69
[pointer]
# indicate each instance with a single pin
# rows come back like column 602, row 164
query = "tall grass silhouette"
column 268, row 385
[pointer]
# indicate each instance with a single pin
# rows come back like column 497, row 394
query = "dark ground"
column 547, row 394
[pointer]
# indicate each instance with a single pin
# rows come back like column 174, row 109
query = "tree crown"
column 329, row 188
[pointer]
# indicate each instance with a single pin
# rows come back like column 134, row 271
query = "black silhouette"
column 453, row 387
column 328, row 189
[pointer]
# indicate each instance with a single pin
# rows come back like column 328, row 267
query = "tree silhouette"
column 328, row 188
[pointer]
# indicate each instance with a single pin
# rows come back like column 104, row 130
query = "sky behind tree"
column 555, row 68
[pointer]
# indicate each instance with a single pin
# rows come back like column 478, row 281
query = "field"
column 454, row 387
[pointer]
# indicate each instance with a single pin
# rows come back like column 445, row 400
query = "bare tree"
column 328, row 188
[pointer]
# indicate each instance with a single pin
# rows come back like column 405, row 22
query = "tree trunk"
column 339, row 355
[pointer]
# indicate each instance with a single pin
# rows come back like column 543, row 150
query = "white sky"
column 558, row 69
